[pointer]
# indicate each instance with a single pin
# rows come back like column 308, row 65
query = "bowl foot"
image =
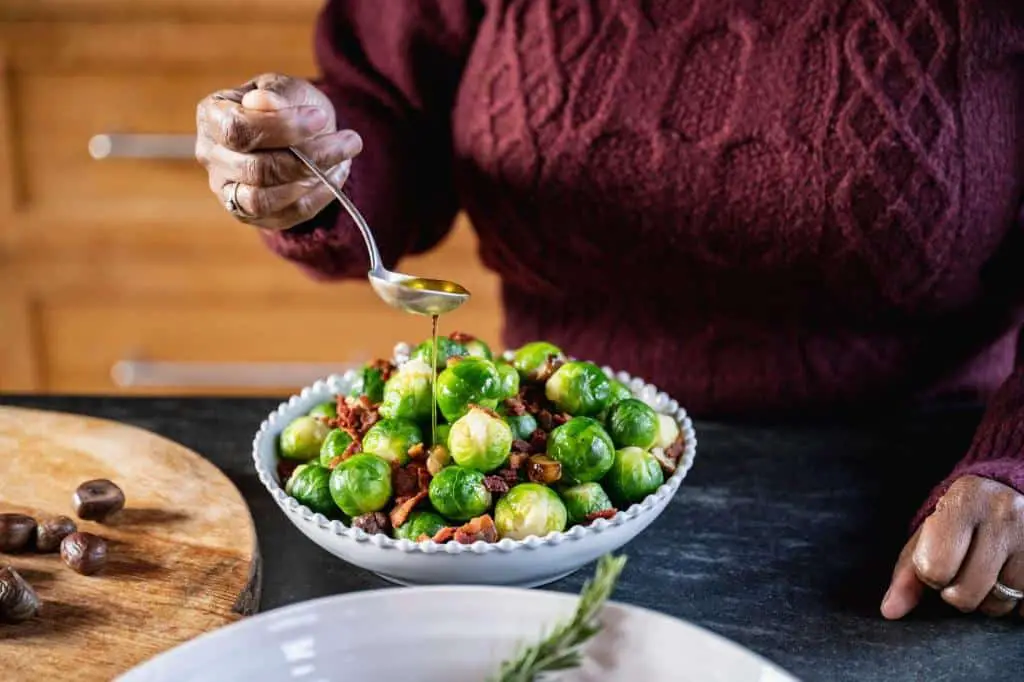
column 526, row 584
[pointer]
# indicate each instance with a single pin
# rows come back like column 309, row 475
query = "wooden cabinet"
column 119, row 270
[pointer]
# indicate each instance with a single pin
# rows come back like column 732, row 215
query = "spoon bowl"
column 417, row 295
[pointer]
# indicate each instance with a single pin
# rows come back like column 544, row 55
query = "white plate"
column 447, row 634
column 520, row 563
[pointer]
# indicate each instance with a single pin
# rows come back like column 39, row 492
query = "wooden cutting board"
column 183, row 556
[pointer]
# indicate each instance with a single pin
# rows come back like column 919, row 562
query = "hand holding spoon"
column 417, row 295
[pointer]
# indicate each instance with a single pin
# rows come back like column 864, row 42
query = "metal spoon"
column 417, row 295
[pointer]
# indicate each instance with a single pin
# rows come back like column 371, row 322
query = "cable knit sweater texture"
column 766, row 206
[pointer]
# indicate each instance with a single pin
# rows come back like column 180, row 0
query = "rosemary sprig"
column 560, row 650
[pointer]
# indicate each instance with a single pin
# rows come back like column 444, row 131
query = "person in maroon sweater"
column 795, row 206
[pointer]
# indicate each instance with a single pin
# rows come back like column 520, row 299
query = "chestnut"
column 51, row 532
column 16, row 532
column 84, row 553
column 97, row 499
column 18, row 601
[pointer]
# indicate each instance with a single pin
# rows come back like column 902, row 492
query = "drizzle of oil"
column 438, row 285
column 433, row 382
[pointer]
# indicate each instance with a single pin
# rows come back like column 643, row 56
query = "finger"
column 229, row 124
column 942, row 546
column 307, row 207
column 979, row 571
column 1012, row 576
column 272, row 91
column 905, row 589
column 269, row 202
column 269, row 168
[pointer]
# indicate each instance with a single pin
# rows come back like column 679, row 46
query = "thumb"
column 906, row 588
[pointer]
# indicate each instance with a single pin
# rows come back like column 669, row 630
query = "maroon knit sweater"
column 762, row 205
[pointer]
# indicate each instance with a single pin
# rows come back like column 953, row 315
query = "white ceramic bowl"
column 523, row 563
column 448, row 634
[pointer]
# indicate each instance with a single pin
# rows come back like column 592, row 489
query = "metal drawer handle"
column 128, row 146
column 155, row 373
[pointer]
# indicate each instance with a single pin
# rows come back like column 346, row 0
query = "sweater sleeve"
column 392, row 75
column 997, row 451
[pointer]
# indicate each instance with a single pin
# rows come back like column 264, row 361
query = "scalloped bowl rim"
column 332, row 384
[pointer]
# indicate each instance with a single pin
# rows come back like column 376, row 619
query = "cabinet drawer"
column 66, row 112
column 227, row 345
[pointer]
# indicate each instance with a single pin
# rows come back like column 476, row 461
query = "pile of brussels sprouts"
column 524, row 446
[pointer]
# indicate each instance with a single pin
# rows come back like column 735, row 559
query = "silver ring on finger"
column 1004, row 593
column 232, row 205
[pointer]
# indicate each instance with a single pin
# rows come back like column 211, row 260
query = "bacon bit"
column 461, row 337
column 384, row 367
column 515, row 406
column 543, row 469
column 545, row 420
column 355, row 416
column 405, row 482
column 538, row 441
column 353, row 448
column 497, row 484
column 438, row 459
column 480, row 528
column 509, row 476
column 423, row 537
column 417, row 451
column 561, row 418
column 520, row 446
column 601, row 514
column 485, row 410
column 423, row 477
column 444, row 535
column 675, row 451
column 285, row 469
column 404, row 507
column 372, row 523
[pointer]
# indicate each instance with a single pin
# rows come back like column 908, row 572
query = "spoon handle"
column 371, row 244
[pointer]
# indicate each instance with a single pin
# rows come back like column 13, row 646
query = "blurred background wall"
column 119, row 270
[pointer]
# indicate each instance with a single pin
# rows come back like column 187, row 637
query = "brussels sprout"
column 523, row 426
column 509, row 378
column 420, row 523
column 633, row 422
column 619, row 392
column 584, row 499
column 478, row 349
column 310, row 484
column 328, row 409
column 533, row 359
column 459, row 493
column 302, row 438
column 407, row 393
column 442, row 434
column 579, row 388
column 370, row 383
column 468, row 381
column 583, row 448
column 634, row 475
column 391, row 439
column 335, row 445
column 529, row 509
column 446, row 348
column 480, row 440
column 361, row 484
column 668, row 431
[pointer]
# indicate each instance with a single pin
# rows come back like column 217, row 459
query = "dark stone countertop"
column 782, row 538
